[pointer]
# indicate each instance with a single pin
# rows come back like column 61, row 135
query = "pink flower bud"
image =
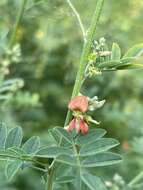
column 72, row 125
column 79, row 125
column 79, row 103
column 83, row 129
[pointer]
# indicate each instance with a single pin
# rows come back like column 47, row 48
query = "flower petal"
column 79, row 103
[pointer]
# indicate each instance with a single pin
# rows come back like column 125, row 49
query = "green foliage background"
column 51, row 43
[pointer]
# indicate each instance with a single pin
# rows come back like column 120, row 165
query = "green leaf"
column 93, row 182
column 127, row 60
column 91, row 136
column 53, row 152
column 3, row 134
column 135, row 51
column 56, row 136
column 64, row 134
column 116, row 52
column 12, row 168
column 14, row 138
column 102, row 159
column 130, row 66
column 67, row 159
column 108, row 64
column 65, row 179
column 32, row 145
column 16, row 150
column 98, row 146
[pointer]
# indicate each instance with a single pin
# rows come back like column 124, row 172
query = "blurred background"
column 39, row 74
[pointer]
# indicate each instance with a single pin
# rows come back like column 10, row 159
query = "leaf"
column 55, row 135
column 135, row 51
column 16, row 150
column 93, row 182
column 108, row 64
column 116, row 52
column 3, row 134
column 52, row 152
column 98, row 146
column 67, row 159
column 130, row 66
column 65, row 179
column 91, row 136
column 32, row 145
column 102, row 159
column 14, row 138
column 12, row 168
column 64, row 134
column 128, row 60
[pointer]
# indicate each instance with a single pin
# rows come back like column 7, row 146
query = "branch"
column 78, row 19
column 85, row 53
column 136, row 179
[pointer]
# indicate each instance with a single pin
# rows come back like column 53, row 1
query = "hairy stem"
column 136, row 179
column 86, row 50
column 19, row 17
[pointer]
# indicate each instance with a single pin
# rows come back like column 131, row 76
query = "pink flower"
column 72, row 125
column 79, row 125
column 79, row 103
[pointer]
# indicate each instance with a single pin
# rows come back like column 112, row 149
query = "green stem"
column 19, row 17
column 80, row 74
column 85, row 53
column 136, row 179
column 50, row 180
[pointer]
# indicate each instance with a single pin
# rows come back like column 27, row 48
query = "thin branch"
column 78, row 19
column 136, row 179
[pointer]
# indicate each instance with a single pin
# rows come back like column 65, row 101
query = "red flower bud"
column 79, row 103
column 79, row 125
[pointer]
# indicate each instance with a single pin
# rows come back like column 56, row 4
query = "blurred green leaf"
column 93, row 182
column 64, row 134
column 14, row 138
column 32, row 145
column 130, row 66
column 102, row 159
column 12, row 168
column 98, row 146
column 116, row 52
column 92, row 136
column 135, row 51
column 67, row 159
column 52, row 152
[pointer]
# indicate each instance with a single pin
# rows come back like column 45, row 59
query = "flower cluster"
column 79, row 106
